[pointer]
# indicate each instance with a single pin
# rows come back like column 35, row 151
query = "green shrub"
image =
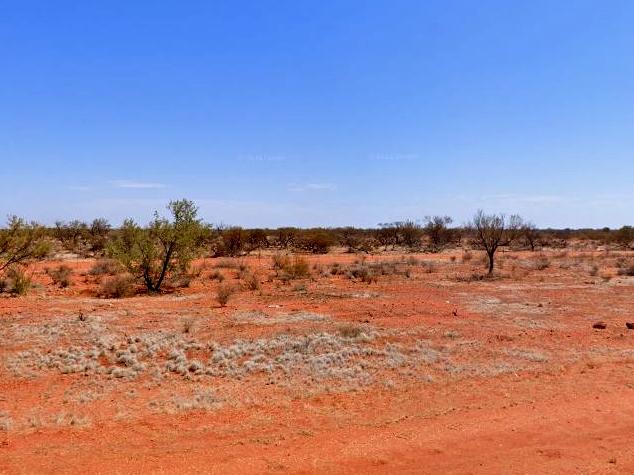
column 152, row 254
column 318, row 242
column 18, row 282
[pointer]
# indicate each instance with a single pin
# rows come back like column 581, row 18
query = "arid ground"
column 426, row 369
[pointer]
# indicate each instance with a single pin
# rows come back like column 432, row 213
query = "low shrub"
column 17, row 282
column 542, row 263
column 627, row 270
column 105, row 266
column 61, row 275
column 116, row 287
column 295, row 268
column 251, row 281
column 180, row 281
column 363, row 273
column 280, row 261
column 224, row 294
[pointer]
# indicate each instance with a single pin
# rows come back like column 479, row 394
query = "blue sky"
column 271, row 113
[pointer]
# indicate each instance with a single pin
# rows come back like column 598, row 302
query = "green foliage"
column 438, row 231
column 72, row 235
column 21, row 242
column 17, row 281
column 166, row 246
column 98, row 234
column 318, row 241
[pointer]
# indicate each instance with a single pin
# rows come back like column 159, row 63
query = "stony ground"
column 395, row 362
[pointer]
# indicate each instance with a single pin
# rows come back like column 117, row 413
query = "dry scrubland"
column 332, row 363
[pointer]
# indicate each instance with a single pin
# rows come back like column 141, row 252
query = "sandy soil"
column 426, row 370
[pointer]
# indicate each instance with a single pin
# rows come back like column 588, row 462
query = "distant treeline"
column 434, row 234
column 167, row 246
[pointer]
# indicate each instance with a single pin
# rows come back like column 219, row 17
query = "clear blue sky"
column 318, row 113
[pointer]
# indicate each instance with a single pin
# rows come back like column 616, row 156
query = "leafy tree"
column 409, row 233
column 437, row 230
column 317, row 241
column 21, row 242
column 98, row 234
column 72, row 235
column 165, row 246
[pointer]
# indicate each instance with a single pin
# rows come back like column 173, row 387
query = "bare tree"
column 531, row 234
column 494, row 230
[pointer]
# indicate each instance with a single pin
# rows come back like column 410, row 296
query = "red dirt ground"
column 440, row 373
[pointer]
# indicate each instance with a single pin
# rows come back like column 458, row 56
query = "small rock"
column 629, row 325
column 600, row 325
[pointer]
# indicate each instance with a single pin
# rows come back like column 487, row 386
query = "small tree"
column 531, row 234
column 285, row 238
column 234, row 239
column 21, row 242
column 98, row 234
column 494, row 230
column 151, row 254
column 318, row 241
column 386, row 235
column 72, row 235
column 624, row 236
column 409, row 233
column 437, row 230
column 256, row 239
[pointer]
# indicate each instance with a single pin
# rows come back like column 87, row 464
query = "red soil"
column 524, row 383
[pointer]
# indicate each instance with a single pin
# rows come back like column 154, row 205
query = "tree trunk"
column 491, row 262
